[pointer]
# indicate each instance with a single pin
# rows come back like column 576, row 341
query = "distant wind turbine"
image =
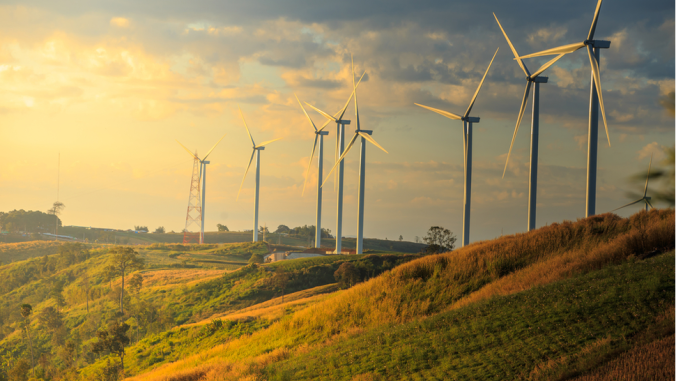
column 365, row 135
column 531, row 80
column 203, row 177
column 256, row 151
column 595, row 99
column 467, row 154
column 645, row 197
column 340, row 145
column 319, row 136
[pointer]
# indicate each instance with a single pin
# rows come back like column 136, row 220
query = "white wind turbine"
column 531, row 80
column 319, row 136
column 645, row 197
column 467, row 154
column 595, row 99
column 256, row 151
column 365, row 135
column 203, row 177
column 340, row 145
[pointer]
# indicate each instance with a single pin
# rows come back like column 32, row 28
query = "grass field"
column 514, row 307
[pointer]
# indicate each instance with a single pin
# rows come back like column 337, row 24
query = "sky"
column 109, row 87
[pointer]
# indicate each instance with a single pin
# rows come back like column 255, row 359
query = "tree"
column 401, row 238
column 86, row 286
column 347, row 275
column 281, row 279
column 57, row 294
column 26, row 310
column 141, row 228
column 56, row 209
column 256, row 258
column 108, row 274
column 159, row 230
column 50, row 318
column 222, row 228
column 136, row 282
column 282, row 229
column 19, row 371
column 112, row 340
column 439, row 240
column 123, row 259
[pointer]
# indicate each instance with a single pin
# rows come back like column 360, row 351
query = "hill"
column 547, row 270
column 568, row 300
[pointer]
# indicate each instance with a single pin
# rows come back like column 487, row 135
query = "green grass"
column 504, row 337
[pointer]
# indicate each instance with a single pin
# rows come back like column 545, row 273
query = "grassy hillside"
column 181, row 285
column 498, row 308
column 567, row 300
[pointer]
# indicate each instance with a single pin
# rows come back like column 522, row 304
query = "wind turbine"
column 467, row 154
column 203, row 177
column 645, row 197
column 531, row 80
column 365, row 135
column 340, row 145
column 595, row 99
column 256, row 151
column 319, row 136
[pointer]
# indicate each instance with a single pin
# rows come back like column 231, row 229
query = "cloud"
column 119, row 22
column 654, row 150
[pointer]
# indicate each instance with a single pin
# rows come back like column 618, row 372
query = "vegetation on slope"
column 439, row 284
column 75, row 295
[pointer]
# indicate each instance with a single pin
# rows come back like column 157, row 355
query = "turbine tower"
column 645, row 197
column 533, row 80
column 595, row 100
column 340, row 145
column 467, row 154
column 319, row 135
column 365, row 135
column 194, row 204
column 256, row 151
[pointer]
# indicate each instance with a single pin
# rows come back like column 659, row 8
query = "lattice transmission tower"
column 194, row 215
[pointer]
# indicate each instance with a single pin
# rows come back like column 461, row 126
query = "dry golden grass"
column 274, row 309
column 653, row 361
column 168, row 277
column 433, row 284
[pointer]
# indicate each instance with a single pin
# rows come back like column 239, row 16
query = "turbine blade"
column 324, row 125
column 370, row 139
column 645, row 191
column 597, row 82
column 629, row 204
column 518, row 122
column 354, row 89
column 590, row 36
column 447, row 114
column 305, row 112
column 651, row 205
column 547, row 65
column 268, row 142
column 342, row 111
column 247, row 127
column 347, row 149
column 516, row 55
column 191, row 154
column 309, row 164
column 326, row 115
column 245, row 172
column 480, row 83
column 335, row 158
column 564, row 49
column 464, row 147
column 212, row 148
